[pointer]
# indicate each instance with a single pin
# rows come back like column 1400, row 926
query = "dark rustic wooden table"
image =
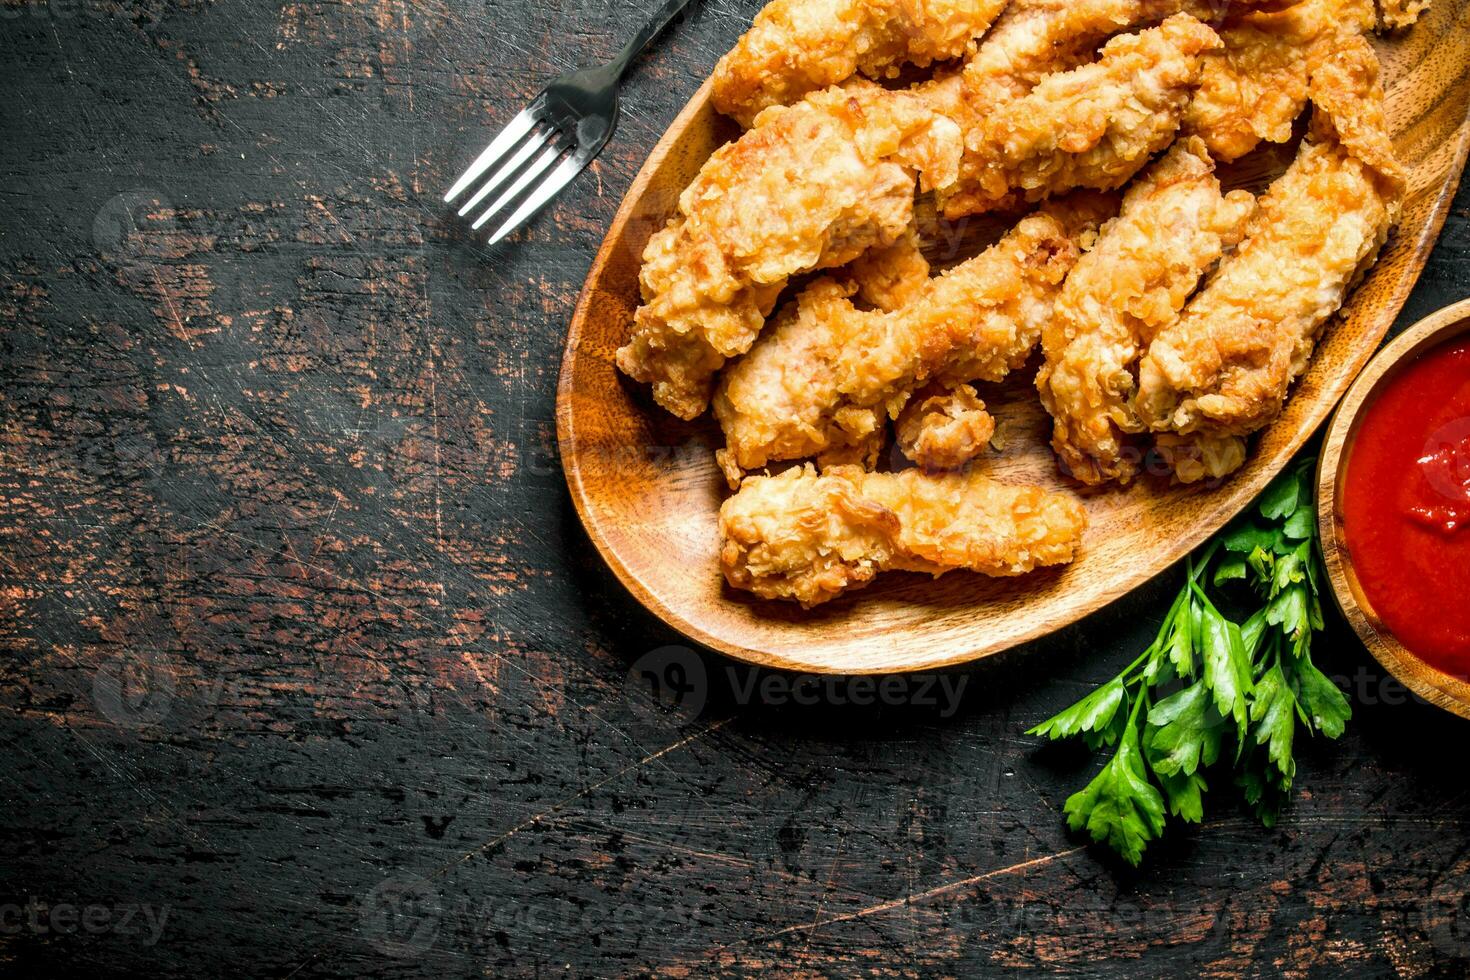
column 309, row 669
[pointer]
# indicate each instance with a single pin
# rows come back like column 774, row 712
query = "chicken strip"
column 810, row 537
column 1255, row 87
column 1222, row 370
column 811, row 187
column 1031, row 40
column 1095, row 126
column 944, row 428
column 828, row 375
column 1173, row 227
column 795, row 47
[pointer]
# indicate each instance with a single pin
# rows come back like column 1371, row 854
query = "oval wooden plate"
column 648, row 492
column 1434, row 685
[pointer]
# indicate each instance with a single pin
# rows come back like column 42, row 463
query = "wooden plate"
column 1430, row 683
column 648, row 492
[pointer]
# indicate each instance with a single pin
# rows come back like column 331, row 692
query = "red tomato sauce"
column 1406, row 506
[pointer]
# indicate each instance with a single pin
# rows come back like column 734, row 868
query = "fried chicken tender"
column 810, row 537
column 944, row 428
column 811, row 187
column 1174, row 225
column 1254, row 88
column 827, row 376
column 1222, row 370
column 799, row 46
column 1095, row 126
column 1031, row 40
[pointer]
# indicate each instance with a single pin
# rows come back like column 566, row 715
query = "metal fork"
column 570, row 121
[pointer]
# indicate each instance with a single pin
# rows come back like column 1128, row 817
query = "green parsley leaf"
column 1280, row 497
column 1301, row 523
column 1227, row 670
column 1262, row 562
column 1273, row 712
column 1246, row 536
column 1262, row 784
column 1120, row 807
column 1185, row 795
column 1181, row 640
column 1185, row 732
column 1093, row 713
column 1322, row 700
column 1289, row 611
column 1251, row 632
column 1228, row 571
column 1290, row 569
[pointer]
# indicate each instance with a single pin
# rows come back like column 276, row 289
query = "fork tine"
column 559, row 178
column 535, row 143
column 507, row 137
column 522, row 182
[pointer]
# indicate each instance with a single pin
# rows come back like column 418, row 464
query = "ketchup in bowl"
column 1406, row 506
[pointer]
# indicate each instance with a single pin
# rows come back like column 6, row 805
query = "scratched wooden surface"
column 309, row 670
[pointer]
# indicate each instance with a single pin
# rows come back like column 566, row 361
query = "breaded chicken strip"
column 811, row 187
column 799, row 46
column 1173, row 227
column 944, row 428
column 1254, row 88
column 827, row 376
column 1034, row 39
column 810, row 537
column 1223, row 369
column 1095, row 126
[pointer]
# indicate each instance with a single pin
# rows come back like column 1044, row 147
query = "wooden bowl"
column 648, row 491
column 1430, row 683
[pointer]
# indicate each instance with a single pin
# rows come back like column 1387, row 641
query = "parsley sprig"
column 1208, row 689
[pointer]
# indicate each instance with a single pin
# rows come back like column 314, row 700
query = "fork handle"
column 649, row 31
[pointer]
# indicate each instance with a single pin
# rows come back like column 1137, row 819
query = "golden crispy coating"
column 1395, row 15
column 892, row 277
column 1095, row 126
column 799, row 46
column 1200, row 455
column 1256, row 86
column 810, row 537
column 1223, row 368
column 1173, row 227
column 812, row 186
column 827, row 375
column 944, row 428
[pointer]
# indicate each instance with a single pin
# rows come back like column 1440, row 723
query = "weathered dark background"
column 310, row 671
